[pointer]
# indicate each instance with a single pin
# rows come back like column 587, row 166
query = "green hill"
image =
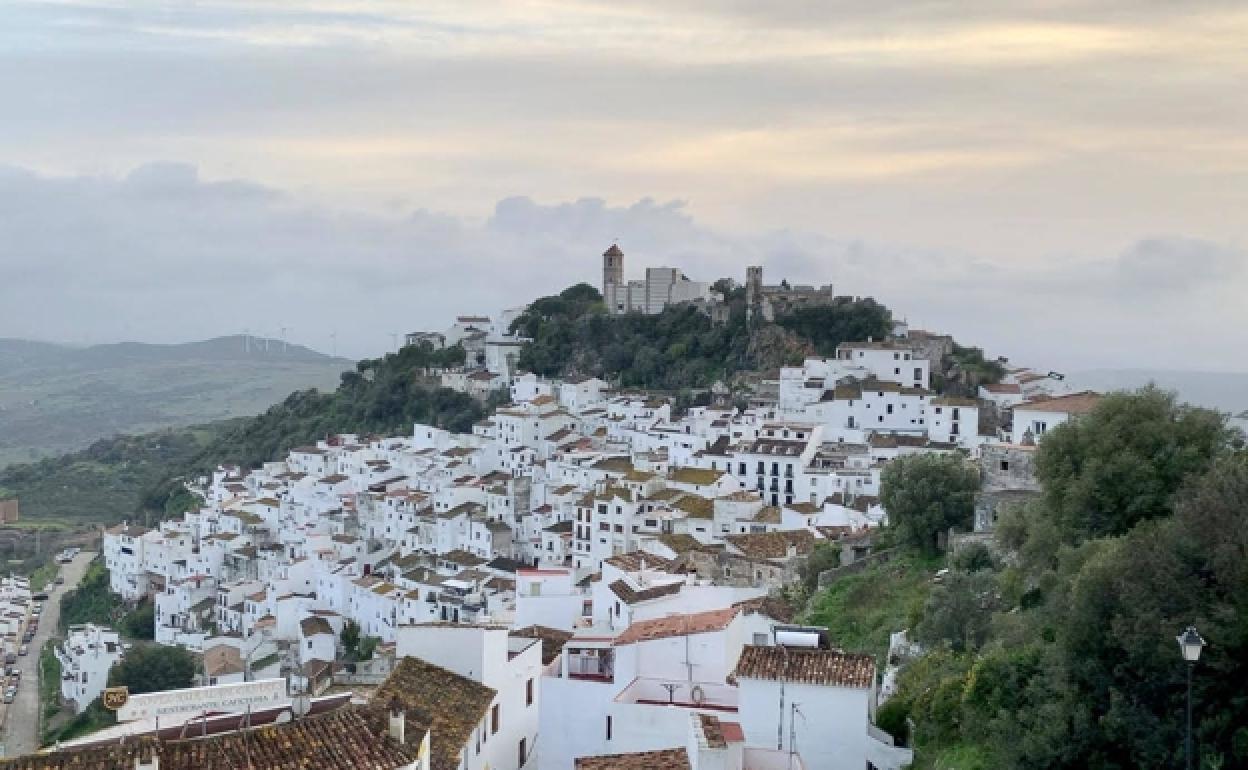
column 56, row 398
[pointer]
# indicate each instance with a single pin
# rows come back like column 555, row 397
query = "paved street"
column 21, row 720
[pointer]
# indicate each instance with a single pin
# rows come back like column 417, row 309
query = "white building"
column 1033, row 419
column 492, row 678
column 662, row 287
column 86, row 656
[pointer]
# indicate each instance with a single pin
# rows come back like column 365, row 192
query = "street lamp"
column 1190, row 645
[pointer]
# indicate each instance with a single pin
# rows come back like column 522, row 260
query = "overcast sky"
column 1064, row 182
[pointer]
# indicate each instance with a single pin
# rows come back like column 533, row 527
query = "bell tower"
column 612, row 268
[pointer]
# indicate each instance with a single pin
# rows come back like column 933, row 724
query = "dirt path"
column 21, row 718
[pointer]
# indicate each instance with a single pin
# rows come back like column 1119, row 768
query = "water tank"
column 809, row 637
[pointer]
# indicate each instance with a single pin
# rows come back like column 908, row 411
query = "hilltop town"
column 590, row 578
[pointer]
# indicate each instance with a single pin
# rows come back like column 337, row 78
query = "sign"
column 116, row 697
column 221, row 698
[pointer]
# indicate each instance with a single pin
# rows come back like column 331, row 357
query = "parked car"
column 42, row 596
column 60, row 580
column 23, row 650
column 9, row 695
column 10, row 659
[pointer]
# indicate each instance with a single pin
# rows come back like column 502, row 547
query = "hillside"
column 681, row 347
column 139, row 476
column 56, row 398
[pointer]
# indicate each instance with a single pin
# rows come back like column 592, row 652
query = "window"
column 522, row 753
column 1005, row 465
column 494, row 719
column 918, row 373
column 608, row 728
column 528, row 699
column 760, row 639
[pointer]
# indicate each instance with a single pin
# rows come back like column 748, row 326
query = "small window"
column 494, row 722
column 608, row 728
column 528, row 693
column 1005, row 465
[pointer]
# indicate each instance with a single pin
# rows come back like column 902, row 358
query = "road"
column 21, row 720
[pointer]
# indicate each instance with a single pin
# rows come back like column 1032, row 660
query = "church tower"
column 612, row 269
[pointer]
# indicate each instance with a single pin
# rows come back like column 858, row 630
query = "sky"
column 1062, row 182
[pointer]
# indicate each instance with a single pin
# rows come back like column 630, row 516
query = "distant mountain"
column 60, row 398
column 1225, row 391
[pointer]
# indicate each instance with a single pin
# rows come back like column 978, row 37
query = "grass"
column 49, row 681
column 45, row 574
column 957, row 757
column 862, row 610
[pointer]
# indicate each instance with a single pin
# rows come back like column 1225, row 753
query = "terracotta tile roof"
column 629, row 595
column 769, row 606
column 552, row 640
column 769, row 514
column 697, row 476
column 773, row 545
column 342, row 739
column 1075, row 403
column 315, row 626
column 696, row 506
column 681, row 543
column 614, row 465
column 678, row 625
column 712, row 730
column 1003, row 388
column 632, row 561
column 454, row 705
column 831, row 668
column 664, row 759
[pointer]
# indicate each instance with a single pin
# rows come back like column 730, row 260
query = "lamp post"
column 1190, row 645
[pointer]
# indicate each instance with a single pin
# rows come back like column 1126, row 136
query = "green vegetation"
column 142, row 476
column 927, row 494
column 43, row 575
column 93, row 719
column 49, row 682
column 56, row 399
column 974, row 369
column 91, row 601
column 103, row 483
column 862, row 610
column 1121, row 464
column 681, row 347
column 849, row 320
column 140, row 623
column 355, row 646
column 154, row 667
column 1062, row 654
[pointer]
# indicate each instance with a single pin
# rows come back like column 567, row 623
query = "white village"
column 590, row 579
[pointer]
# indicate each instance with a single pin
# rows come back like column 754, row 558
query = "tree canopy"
column 1122, row 463
column 1062, row 654
column 154, row 667
column 927, row 494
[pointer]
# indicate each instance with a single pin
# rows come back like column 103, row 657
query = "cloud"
column 163, row 254
column 1178, row 264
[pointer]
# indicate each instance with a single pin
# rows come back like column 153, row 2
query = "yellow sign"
column 116, row 697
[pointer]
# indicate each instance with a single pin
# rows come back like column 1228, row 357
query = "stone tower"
column 612, row 269
column 754, row 293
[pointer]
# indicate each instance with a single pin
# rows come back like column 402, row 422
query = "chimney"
column 398, row 721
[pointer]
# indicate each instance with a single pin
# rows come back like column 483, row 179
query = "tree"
column 350, row 637
column 926, row 495
column 152, row 668
column 140, row 623
column 1124, row 462
column 959, row 611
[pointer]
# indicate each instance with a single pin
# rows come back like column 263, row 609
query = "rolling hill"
column 56, row 398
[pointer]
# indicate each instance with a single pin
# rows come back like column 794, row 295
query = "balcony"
column 705, row 696
column 595, row 664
